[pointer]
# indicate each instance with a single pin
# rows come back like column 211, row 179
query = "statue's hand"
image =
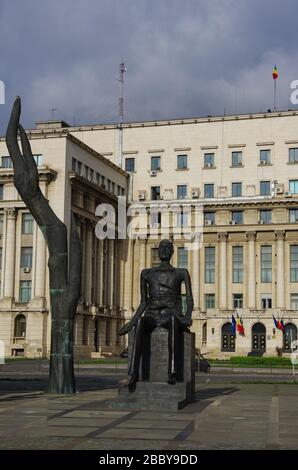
column 186, row 321
column 126, row 328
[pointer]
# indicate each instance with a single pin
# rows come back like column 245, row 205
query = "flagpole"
column 275, row 80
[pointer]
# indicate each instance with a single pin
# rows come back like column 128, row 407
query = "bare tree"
column 64, row 269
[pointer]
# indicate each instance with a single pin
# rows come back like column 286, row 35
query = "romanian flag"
column 233, row 325
column 275, row 73
column 279, row 324
column 240, row 327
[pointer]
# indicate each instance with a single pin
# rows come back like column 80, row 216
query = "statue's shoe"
column 132, row 382
column 172, row 379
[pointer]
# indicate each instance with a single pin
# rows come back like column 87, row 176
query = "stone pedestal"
column 153, row 391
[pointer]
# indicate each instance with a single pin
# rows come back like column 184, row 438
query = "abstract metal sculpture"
column 64, row 267
column 161, row 304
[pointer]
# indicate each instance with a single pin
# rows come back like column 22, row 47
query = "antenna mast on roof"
column 122, row 69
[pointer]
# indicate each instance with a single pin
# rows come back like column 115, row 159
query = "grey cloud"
column 183, row 58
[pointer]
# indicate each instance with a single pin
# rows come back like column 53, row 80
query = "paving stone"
column 153, row 424
column 155, row 434
column 96, row 413
column 88, row 422
column 69, row 431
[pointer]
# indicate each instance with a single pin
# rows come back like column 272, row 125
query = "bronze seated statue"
column 160, row 307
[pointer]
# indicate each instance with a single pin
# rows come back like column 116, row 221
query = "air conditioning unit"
column 208, row 165
column 232, row 222
column 142, row 195
column 261, row 222
column 159, row 197
column 208, row 222
column 288, row 194
column 195, row 193
column 279, row 188
column 263, row 162
column 27, row 270
column 153, row 173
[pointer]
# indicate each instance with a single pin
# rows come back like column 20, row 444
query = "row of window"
column 266, row 189
column 237, row 301
column 237, row 264
column 209, row 160
column 182, row 218
column 27, row 224
column 96, row 178
column 6, row 161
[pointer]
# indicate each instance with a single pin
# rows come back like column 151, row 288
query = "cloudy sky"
column 183, row 57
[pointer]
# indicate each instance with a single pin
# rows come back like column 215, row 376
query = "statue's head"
column 165, row 250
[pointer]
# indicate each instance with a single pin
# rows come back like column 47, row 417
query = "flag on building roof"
column 240, row 327
column 233, row 325
column 275, row 73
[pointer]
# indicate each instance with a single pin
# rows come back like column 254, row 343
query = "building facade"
column 244, row 171
column 75, row 179
column 241, row 170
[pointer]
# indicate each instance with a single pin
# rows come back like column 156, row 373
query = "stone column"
column 110, row 284
column 280, row 269
column 9, row 265
column 142, row 255
column 223, row 237
column 127, row 301
column 88, row 262
column 195, row 277
column 40, row 264
column 99, row 268
column 251, row 270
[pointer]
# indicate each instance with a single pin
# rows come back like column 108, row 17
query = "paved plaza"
column 224, row 416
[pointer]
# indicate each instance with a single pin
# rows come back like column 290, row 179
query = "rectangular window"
column 27, row 224
column 293, row 155
column 266, row 264
column 79, row 168
column 293, row 215
column 181, row 162
column 130, row 164
column 209, row 218
column 98, row 179
column 6, row 162
column 266, row 216
column 294, row 263
column 155, row 163
column 237, row 217
column 182, row 257
column 74, row 164
column 26, row 257
column 265, row 188
column 209, row 160
column 208, row 190
column 265, row 157
column 209, row 301
column 236, row 158
column 155, row 193
column 155, row 219
column 237, row 300
column 91, row 175
column 0, row 258
column 86, row 171
column 38, row 159
column 181, row 191
column 1, row 224
column 210, row 264
column 294, row 301
column 236, row 189
column 294, row 186
column 182, row 219
column 237, row 260
column 155, row 261
column 266, row 301
column 1, row 191
column 25, row 291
